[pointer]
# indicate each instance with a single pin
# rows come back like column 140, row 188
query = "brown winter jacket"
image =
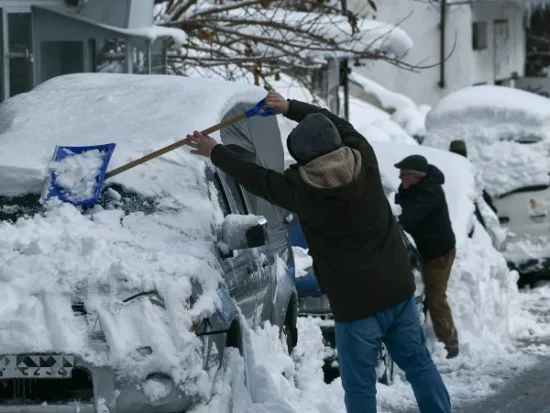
column 358, row 256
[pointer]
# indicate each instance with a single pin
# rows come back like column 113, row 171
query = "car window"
column 222, row 197
column 238, row 196
column 532, row 188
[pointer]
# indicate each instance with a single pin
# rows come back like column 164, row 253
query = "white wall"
column 484, row 59
column 464, row 67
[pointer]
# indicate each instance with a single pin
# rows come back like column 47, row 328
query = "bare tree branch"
column 265, row 37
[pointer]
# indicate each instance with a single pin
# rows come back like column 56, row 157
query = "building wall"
column 465, row 66
column 484, row 70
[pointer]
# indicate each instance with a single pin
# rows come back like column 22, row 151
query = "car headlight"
column 157, row 388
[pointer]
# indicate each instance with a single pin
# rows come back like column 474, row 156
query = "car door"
column 275, row 257
column 241, row 269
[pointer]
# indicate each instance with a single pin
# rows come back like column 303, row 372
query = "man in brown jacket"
column 358, row 256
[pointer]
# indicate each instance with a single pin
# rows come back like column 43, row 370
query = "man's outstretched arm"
column 262, row 182
column 265, row 183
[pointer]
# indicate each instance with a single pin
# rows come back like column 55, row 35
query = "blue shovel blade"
column 53, row 190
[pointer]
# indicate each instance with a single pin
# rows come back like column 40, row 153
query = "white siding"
column 465, row 66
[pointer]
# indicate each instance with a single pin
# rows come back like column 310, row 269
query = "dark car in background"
column 313, row 303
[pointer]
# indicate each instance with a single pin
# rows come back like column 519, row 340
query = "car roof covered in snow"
column 109, row 253
column 460, row 189
column 490, row 113
column 492, row 121
column 140, row 113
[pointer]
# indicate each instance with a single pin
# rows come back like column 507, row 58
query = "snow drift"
column 105, row 256
column 492, row 120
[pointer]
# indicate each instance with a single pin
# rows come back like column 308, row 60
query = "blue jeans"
column 358, row 344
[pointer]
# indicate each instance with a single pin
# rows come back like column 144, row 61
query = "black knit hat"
column 314, row 136
column 414, row 162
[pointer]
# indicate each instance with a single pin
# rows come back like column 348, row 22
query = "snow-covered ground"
column 279, row 383
column 493, row 318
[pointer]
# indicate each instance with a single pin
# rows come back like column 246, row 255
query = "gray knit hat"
column 314, row 136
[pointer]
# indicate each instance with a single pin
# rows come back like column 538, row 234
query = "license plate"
column 44, row 366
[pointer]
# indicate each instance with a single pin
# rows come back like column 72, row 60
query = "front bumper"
column 91, row 389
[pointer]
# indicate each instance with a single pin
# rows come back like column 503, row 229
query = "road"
column 526, row 393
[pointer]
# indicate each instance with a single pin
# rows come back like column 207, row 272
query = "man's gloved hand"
column 276, row 102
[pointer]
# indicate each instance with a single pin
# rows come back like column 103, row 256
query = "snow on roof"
column 459, row 186
column 375, row 124
column 151, row 33
column 406, row 113
column 140, row 113
column 489, row 119
column 372, row 36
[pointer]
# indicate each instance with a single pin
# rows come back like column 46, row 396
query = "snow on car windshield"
column 52, row 259
column 492, row 120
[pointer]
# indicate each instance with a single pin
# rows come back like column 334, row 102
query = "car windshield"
column 115, row 197
column 531, row 188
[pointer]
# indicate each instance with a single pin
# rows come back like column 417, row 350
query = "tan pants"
column 435, row 275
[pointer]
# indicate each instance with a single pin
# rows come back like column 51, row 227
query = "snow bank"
column 271, row 381
column 406, row 113
column 490, row 119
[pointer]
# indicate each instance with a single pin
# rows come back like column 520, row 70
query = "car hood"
column 51, row 261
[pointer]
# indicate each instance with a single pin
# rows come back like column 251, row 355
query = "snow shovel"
column 93, row 186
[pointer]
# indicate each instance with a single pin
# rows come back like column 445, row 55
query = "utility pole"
column 344, row 70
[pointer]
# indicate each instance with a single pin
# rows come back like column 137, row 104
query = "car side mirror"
column 241, row 232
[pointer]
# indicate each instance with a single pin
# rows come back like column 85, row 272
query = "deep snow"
column 491, row 119
column 102, row 256
column 279, row 383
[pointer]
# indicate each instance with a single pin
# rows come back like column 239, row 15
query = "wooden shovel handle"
column 173, row 146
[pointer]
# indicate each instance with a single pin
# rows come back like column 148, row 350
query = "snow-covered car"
column 313, row 303
column 507, row 135
column 131, row 305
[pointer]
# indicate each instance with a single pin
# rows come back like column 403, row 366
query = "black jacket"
column 425, row 215
column 358, row 256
